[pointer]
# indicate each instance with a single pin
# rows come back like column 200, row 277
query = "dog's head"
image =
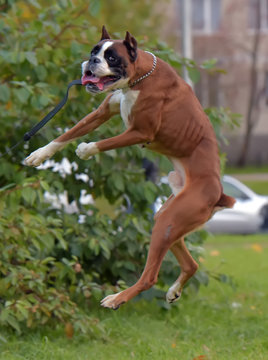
column 110, row 65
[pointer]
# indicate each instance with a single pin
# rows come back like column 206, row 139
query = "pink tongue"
column 100, row 86
column 89, row 79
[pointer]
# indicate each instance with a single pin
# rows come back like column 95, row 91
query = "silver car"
column 249, row 214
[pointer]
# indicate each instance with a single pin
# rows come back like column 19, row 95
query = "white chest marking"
column 115, row 100
column 127, row 101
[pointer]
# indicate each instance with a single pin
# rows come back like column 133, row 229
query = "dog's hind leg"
column 186, row 212
column 160, row 243
column 188, row 268
column 157, row 251
column 187, row 264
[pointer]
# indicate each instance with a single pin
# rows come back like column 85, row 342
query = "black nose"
column 94, row 60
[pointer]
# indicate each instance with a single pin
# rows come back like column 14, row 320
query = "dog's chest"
column 127, row 101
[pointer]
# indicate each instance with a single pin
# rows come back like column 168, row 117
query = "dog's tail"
column 226, row 201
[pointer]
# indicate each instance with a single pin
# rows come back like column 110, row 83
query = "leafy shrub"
column 35, row 286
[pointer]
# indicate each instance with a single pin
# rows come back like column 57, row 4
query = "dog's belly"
column 176, row 151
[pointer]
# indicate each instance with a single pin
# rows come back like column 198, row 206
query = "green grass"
column 246, row 170
column 218, row 322
column 260, row 187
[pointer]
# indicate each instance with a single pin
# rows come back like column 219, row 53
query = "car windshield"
column 231, row 190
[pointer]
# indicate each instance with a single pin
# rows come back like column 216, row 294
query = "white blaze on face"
column 103, row 69
column 102, row 50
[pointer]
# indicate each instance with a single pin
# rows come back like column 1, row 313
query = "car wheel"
column 264, row 214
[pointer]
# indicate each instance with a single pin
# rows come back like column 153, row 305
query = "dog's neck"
column 135, row 82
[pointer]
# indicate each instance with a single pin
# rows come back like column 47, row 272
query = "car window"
column 231, row 190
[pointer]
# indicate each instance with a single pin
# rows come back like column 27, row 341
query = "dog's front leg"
column 108, row 108
column 127, row 138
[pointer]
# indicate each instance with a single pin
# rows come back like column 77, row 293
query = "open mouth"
column 89, row 78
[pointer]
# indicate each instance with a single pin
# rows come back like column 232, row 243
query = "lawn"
column 260, row 187
column 218, row 323
column 247, row 170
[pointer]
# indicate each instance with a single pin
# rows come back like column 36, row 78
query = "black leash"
column 27, row 136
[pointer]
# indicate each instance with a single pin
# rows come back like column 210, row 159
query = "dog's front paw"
column 84, row 150
column 38, row 156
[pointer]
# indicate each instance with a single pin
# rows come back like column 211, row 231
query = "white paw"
column 84, row 150
column 110, row 301
column 38, row 156
column 174, row 293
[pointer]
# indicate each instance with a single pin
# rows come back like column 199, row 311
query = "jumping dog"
column 161, row 112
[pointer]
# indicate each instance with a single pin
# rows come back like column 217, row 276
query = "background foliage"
column 54, row 264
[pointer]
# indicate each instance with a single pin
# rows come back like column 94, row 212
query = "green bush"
column 53, row 266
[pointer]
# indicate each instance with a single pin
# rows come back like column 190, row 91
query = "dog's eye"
column 111, row 58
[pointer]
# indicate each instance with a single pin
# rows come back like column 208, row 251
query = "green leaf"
column 118, row 181
column 4, row 340
column 44, row 185
column 8, row 186
column 95, row 6
column 41, row 72
column 29, row 195
column 35, row 3
column 48, row 260
column 202, row 277
column 4, row 93
column 44, row 100
column 194, row 74
column 22, row 95
column 31, row 57
column 75, row 48
column 209, row 64
column 13, row 323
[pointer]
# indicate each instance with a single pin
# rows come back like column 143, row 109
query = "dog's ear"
column 131, row 44
column 104, row 34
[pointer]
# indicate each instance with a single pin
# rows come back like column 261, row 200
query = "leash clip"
column 27, row 136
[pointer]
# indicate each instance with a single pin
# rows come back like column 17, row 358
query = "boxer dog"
column 161, row 112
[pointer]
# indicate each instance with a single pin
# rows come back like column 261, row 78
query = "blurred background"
column 235, row 33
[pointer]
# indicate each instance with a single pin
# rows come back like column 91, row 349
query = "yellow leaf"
column 15, row 230
column 256, row 247
column 27, row 11
column 214, row 253
column 8, row 105
column 69, row 330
